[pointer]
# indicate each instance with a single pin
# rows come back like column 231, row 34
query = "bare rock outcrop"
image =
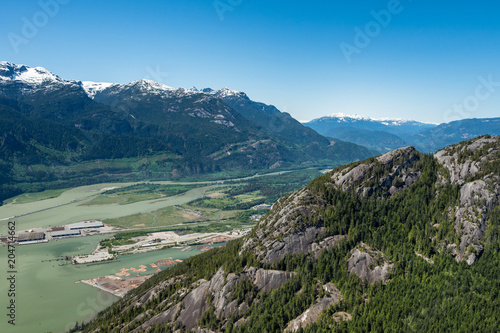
column 325, row 244
column 202, row 330
column 221, row 288
column 284, row 231
column 161, row 318
column 460, row 170
column 189, row 311
column 342, row 316
column 369, row 264
column 429, row 260
column 479, row 192
column 221, row 293
column 385, row 176
column 194, row 305
column 312, row 314
column 268, row 280
column 288, row 228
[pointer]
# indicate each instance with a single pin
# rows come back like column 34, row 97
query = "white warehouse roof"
column 63, row 233
column 85, row 225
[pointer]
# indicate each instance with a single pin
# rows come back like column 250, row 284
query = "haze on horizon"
column 383, row 59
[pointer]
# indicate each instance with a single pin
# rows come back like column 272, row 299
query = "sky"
column 383, row 59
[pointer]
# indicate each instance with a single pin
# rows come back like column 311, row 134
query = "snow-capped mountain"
column 225, row 92
column 21, row 81
column 31, row 80
column 392, row 125
column 36, row 77
column 343, row 126
column 29, row 75
column 382, row 135
column 153, row 88
column 143, row 86
column 385, row 134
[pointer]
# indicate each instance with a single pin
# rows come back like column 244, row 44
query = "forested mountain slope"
column 404, row 242
column 58, row 133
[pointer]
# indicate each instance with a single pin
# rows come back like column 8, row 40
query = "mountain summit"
column 25, row 74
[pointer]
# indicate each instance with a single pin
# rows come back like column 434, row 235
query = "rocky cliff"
column 471, row 167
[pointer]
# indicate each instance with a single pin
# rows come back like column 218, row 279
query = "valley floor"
column 147, row 227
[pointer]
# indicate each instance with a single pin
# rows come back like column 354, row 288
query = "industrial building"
column 85, row 225
column 30, row 237
column 65, row 233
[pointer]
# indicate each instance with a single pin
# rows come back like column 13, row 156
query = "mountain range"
column 402, row 242
column 60, row 133
column 56, row 132
column 383, row 135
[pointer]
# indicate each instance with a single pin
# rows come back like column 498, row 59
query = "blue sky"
column 421, row 60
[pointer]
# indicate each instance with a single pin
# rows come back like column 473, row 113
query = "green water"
column 47, row 298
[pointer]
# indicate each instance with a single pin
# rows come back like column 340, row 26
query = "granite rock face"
column 268, row 280
column 317, row 247
column 312, row 314
column 342, row 316
column 459, row 169
column 283, row 232
column 369, row 264
column 399, row 173
column 479, row 192
column 218, row 290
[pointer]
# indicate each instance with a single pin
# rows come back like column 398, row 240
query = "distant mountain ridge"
column 395, row 126
column 386, row 134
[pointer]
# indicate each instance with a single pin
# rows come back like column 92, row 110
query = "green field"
column 32, row 197
column 222, row 207
column 139, row 192
column 163, row 217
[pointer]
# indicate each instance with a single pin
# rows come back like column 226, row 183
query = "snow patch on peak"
column 345, row 116
column 92, row 88
column 150, row 85
column 221, row 93
column 385, row 121
column 225, row 92
column 26, row 74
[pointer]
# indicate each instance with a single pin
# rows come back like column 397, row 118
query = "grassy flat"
column 137, row 193
column 170, row 216
column 32, row 197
